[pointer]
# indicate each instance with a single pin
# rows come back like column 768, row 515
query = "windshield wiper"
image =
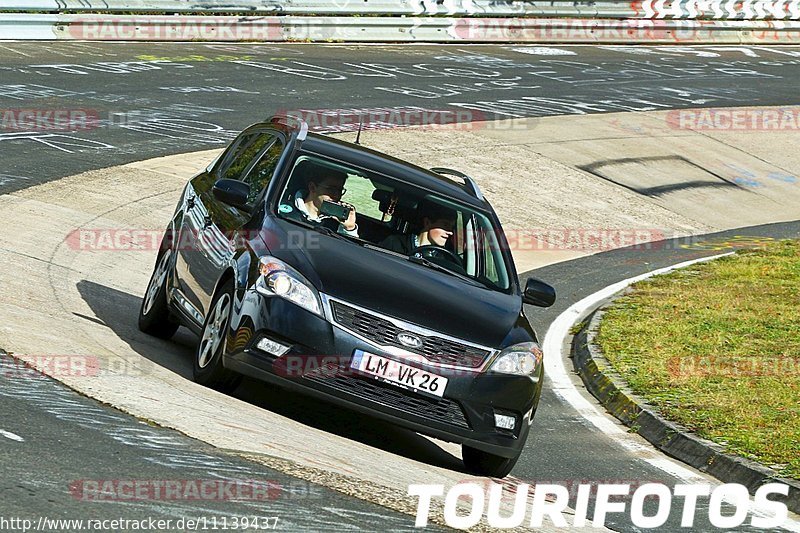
column 435, row 266
column 328, row 231
column 323, row 229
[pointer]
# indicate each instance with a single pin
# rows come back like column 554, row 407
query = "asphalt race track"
column 149, row 100
column 146, row 100
column 71, row 442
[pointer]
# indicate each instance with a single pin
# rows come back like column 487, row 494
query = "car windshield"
column 395, row 217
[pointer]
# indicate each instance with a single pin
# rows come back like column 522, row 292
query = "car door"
column 210, row 227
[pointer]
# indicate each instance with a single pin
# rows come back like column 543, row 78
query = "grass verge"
column 716, row 347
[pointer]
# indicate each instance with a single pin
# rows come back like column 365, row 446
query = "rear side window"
column 359, row 193
column 247, row 147
column 261, row 173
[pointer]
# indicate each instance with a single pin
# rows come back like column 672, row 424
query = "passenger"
column 330, row 187
column 437, row 223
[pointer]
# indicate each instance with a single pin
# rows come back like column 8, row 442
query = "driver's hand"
column 350, row 223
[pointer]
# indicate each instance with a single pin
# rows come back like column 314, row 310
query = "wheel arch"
column 227, row 275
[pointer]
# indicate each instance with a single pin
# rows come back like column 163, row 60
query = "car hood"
column 396, row 287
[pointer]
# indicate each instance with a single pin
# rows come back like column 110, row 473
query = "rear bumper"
column 318, row 364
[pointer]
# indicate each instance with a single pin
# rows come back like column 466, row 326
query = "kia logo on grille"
column 409, row 339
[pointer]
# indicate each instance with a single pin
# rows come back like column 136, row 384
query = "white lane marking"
column 15, row 51
column 12, row 436
column 561, row 384
column 563, row 387
column 543, row 51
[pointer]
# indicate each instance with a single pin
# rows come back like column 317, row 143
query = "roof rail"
column 292, row 121
column 469, row 183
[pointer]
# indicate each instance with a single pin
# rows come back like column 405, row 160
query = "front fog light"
column 272, row 347
column 505, row 421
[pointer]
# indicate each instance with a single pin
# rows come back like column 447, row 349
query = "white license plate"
column 398, row 373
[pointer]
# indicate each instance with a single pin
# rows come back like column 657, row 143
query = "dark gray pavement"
column 143, row 100
column 81, row 460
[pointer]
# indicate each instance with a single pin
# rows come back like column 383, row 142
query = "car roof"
column 380, row 162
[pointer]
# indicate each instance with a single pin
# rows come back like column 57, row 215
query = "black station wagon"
column 320, row 265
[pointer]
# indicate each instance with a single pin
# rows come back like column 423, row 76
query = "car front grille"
column 383, row 332
column 343, row 380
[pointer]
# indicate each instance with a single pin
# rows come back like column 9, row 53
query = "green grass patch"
column 716, row 348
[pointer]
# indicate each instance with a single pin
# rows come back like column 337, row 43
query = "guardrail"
column 393, row 29
column 649, row 9
column 555, row 21
column 555, row 8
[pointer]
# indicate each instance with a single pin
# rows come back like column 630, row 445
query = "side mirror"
column 232, row 192
column 538, row 293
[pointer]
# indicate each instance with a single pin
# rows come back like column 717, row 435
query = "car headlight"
column 520, row 359
column 279, row 279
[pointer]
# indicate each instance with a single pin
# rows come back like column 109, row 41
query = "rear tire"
column 154, row 316
column 208, row 369
column 487, row 464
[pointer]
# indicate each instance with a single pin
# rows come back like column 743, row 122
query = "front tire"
column 487, row 464
column 154, row 316
column 208, row 369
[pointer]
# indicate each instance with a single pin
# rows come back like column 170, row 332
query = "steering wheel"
column 431, row 251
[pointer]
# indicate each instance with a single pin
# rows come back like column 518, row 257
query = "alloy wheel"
column 214, row 331
column 156, row 281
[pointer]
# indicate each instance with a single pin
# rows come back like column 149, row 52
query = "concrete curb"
column 612, row 392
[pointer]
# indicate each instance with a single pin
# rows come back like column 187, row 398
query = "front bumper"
column 318, row 364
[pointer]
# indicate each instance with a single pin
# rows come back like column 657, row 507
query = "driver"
column 329, row 186
column 437, row 223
